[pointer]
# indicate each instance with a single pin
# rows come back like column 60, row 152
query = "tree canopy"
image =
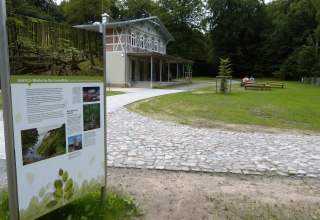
column 280, row 38
column 43, row 9
column 84, row 11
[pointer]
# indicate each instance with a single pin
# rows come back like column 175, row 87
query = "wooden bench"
column 275, row 84
column 256, row 86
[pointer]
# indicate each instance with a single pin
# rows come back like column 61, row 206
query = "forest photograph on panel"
column 91, row 94
column 43, row 143
column 91, row 116
column 39, row 47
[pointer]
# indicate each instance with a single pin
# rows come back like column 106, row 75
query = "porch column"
column 183, row 71
column 177, row 70
column 151, row 75
column 160, row 70
column 189, row 71
column 168, row 71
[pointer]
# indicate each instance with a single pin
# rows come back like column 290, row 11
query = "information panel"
column 58, row 95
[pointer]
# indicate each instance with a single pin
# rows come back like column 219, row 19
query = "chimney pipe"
column 105, row 18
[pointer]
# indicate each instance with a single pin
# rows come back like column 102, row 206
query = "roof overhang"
column 91, row 27
column 169, row 58
column 154, row 20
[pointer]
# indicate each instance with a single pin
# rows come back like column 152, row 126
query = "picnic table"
column 256, row 85
column 275, row 84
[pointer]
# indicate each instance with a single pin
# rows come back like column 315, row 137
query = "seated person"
column 252, row 79
column 245, row 80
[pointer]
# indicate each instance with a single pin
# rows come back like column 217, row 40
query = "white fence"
column 311, row 80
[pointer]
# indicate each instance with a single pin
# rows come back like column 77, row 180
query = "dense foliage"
column 280, row 38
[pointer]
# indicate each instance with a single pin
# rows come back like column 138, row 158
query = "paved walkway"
column 136, row 94
column 142, row 142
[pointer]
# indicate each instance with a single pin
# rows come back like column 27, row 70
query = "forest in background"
column 278, row 39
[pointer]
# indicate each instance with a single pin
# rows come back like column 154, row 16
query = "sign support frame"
column 7, row 115
column 104, row 189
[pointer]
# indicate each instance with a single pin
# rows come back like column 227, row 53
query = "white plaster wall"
column 147, row 27
column 115, row 67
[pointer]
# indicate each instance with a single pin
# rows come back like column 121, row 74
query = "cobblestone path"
column 142, row 142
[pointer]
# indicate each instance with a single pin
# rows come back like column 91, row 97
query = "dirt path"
column 190, row 195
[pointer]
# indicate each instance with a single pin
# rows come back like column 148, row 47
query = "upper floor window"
column 141, row 42
column 146, row 43
column 137, row 41
column 149, row 44
column 152, row 44
column 133, row 39
column 156, row 45
column 160, row 47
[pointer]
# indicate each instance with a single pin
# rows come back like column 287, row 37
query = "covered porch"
column 154, row 69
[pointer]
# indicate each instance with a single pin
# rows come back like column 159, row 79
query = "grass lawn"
column 88, row 207
column 297, row 106
column 195, row 80
column 111, row 93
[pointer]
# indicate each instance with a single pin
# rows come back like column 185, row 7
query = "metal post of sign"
column 7, row 114
column 104, row 189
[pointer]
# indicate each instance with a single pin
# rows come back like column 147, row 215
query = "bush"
column 224, row 70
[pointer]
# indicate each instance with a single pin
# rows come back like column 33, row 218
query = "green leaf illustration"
column 42, row 192
column 69, row 194
column 69, row 185
column 65, row 176
column 58, row 184
column 64, row 190
column 52, row 203
column 58, row 194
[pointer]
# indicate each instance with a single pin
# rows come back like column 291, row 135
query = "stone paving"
column 3, row 170
column 142, row 142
